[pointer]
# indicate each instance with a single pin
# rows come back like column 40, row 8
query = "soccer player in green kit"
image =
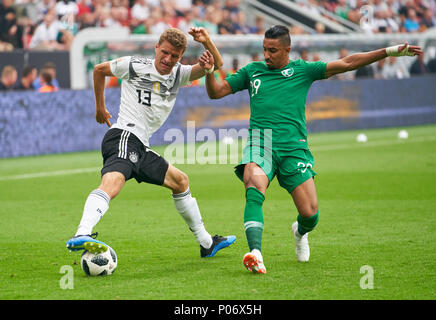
column 277, row 143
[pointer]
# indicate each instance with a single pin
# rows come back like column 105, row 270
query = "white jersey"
column 147, row 97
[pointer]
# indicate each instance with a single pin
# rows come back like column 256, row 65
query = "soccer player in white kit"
column 148, row 94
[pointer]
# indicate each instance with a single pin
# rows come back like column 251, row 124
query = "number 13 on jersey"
column 144, row 97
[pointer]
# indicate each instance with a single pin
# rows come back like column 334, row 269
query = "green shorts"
column 292, row 168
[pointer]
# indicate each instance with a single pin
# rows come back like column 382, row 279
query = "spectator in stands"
column 83, row 7
column 304, row 54
column 140, row 12
column 182, row 6
column 255, row 57
column 44, row 6
column 65, row 8
column 428, row 20
column 342, row 9
column 343, row 76
column 121, row 16
column 162, row 21
column 240, row 25
column 420, row 8
column 8, row 78
column 380, row 6
column 419, row 67
column 393, row 25
column 365, row 72
column 319, row 27
column 87, row 19
column 412, row 23
column 51, row 34
column 27, row 12
column 209, row 21
column 379, row 69
column 225, row 26
column 316, row 56
column 28, row 76
column 295, row 30
column 46, row 81
column 393, row 69
column 6, row 46
column 259, row 26
column 10, row 31
column 380, row 23
column 49, row 67
column 186, row 22
column 233, row 6
column 235, row 66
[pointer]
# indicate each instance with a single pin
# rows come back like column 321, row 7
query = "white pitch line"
column 50, row 174
column 204, row 159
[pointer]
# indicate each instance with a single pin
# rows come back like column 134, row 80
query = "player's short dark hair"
column 279, row 32
column 46, row 76
column 27, row 70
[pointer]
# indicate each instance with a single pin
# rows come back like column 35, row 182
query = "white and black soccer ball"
column 100, row 264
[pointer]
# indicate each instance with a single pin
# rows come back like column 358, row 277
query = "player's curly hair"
column 176, row 37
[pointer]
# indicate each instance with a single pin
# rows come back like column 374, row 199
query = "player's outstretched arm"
column 101, row 71
column 201, row 35
column 359, row 60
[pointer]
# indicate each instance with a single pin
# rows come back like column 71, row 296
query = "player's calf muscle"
column 176, row 180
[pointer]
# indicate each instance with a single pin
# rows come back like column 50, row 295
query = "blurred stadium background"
column 59, row 42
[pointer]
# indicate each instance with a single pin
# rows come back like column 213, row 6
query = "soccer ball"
column 361, row 137
column 403, row 134
column 100, row 264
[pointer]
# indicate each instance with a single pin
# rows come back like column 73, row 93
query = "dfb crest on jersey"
column 133, row 157
column 288, row 72
column 156, row 87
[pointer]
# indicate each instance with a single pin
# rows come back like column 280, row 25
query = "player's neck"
column 285, row 64
column 281, row 66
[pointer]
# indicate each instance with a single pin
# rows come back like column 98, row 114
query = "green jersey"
column 278, row 99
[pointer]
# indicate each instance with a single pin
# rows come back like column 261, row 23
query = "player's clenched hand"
column 404, row 50
column 103, row 116
column 199, row 34
column 206, row 60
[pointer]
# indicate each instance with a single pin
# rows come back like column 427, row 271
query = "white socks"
column 95, row 207
column 98, row 203
column 187, row 206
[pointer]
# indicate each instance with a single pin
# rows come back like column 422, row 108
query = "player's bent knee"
column 309, row 210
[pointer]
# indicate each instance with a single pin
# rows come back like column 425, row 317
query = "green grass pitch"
column 377, row 205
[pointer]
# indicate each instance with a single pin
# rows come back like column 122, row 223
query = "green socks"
column 307, row 224
column 253, row 218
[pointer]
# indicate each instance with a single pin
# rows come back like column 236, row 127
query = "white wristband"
column 393, row 51
column 210, row 70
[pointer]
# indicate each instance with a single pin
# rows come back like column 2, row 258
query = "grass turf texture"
column 377, row 207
